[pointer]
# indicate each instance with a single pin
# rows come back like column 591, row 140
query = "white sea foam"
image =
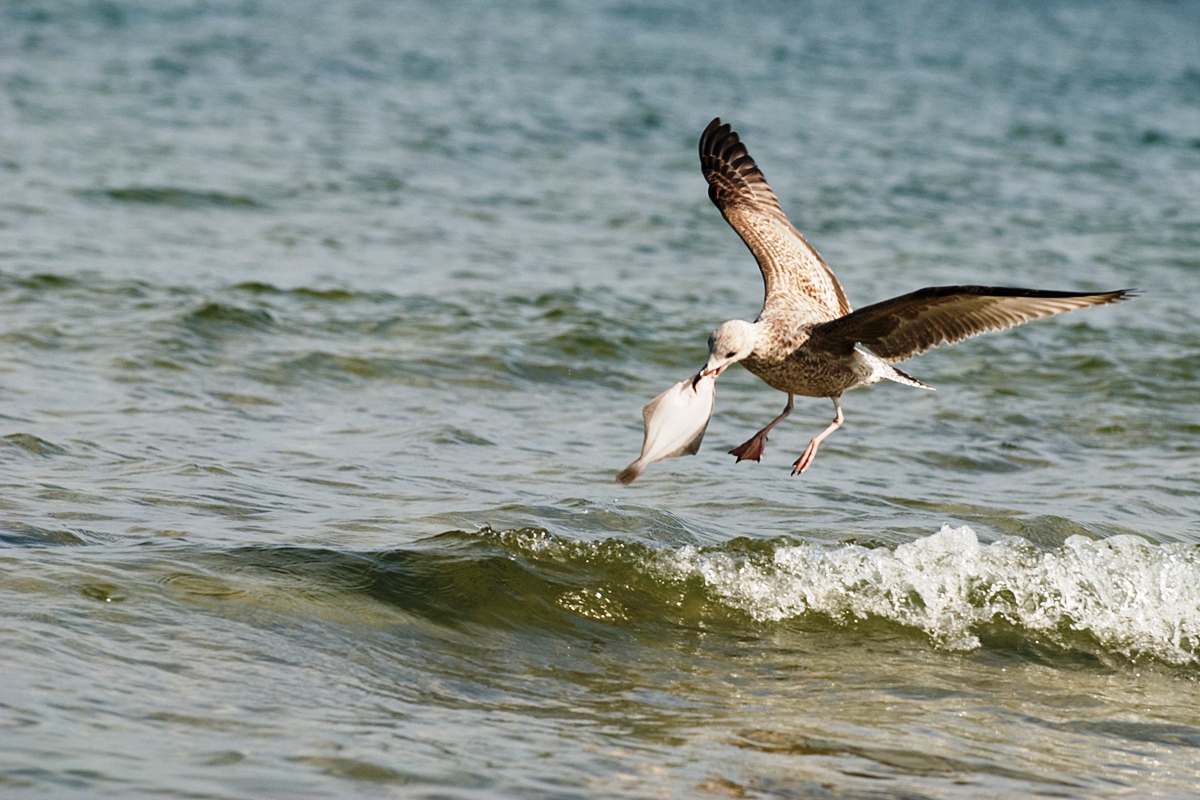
column 1133, row 597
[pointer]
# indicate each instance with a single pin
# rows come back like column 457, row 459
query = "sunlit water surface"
column 325, row 328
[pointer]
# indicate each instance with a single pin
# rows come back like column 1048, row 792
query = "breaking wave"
column 1122, row 597
column 1131, row 596
column 1125, row 594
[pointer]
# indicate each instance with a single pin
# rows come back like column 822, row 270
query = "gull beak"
column 708, row 369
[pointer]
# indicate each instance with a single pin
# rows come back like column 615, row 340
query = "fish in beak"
column 674, row 422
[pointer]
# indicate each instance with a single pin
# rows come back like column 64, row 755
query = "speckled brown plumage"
column 806, row 340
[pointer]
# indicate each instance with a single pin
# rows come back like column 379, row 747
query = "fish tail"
column 628, row 474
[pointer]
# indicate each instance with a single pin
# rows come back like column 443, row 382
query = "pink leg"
column 810, row 452
column 752, row 449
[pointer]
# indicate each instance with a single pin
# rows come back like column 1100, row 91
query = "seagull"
column 807, row 341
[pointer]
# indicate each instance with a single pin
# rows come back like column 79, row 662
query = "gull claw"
column 750, row 450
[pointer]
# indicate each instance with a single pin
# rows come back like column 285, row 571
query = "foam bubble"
column 1133, row 597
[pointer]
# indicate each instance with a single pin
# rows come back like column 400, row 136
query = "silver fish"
column 675, row 423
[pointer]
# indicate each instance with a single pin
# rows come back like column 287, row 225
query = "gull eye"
column 731, row 354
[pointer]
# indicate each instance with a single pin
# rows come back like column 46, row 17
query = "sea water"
column 324, row 328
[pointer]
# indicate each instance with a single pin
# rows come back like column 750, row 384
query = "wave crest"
column 1133, row 597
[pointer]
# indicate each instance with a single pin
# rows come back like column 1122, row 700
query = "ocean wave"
column 1124, row 594
column 172, row 197
column 1132, row 597
column 1120, row 599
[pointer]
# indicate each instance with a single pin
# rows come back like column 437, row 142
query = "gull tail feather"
column 893, row 374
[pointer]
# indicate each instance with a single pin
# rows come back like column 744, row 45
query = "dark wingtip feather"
column 715, row 136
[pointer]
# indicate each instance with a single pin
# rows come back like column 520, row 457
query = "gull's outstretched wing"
column 796, row 277
column 909, row 325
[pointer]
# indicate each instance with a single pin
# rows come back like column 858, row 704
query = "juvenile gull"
column 806, row 338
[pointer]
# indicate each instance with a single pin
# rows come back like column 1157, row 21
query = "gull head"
column 729, row 344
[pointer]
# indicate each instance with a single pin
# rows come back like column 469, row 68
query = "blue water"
column 325, row 328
